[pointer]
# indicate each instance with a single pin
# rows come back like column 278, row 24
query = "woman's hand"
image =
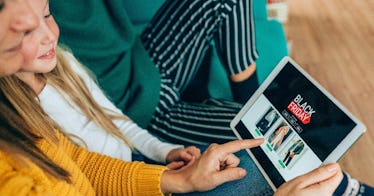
column 321, row 181
column 180, row 157
column 216, row 166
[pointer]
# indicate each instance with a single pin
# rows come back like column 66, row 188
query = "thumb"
column 331, row 183
column 229, row 174
column 320, row 174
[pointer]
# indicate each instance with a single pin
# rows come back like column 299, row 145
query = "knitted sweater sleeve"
column 14, row 181
column 111, row 176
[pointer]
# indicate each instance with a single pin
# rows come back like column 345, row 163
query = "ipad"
column 303, row 126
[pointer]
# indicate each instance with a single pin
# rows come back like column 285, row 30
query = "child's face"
column 38, row 46
column 16, row 18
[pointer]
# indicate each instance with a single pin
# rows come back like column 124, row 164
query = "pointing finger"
column 237, row 145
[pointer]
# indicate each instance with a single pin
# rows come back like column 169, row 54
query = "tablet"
column 303, row 126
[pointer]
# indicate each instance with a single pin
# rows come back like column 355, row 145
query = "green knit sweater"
column 101, row 36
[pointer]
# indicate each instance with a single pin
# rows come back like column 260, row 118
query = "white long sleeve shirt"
column 69, row 116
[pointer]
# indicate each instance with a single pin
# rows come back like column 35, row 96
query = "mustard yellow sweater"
column 91, row 174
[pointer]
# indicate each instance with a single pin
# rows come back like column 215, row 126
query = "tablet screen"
column 300, row 124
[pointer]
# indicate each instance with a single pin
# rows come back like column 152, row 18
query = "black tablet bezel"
column 262, row 161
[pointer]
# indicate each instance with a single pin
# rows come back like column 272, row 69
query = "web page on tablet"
column 300, row 124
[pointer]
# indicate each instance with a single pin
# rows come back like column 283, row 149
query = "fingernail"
column 242, row 173
column 332, row 167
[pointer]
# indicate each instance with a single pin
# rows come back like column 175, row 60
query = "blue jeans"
column 252, row 184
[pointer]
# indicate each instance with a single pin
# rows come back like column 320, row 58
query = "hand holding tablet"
column 304, row 127
column 321, row 181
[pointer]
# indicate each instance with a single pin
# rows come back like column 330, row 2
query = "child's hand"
column 181, row 156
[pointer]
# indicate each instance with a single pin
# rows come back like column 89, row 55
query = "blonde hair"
column 67, row 82
column 19, row 142
column 23, row 123
column 22, row 98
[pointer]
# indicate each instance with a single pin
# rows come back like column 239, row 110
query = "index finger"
column 235, row 146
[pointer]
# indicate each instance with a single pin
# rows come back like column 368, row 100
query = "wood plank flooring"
column 334, row 41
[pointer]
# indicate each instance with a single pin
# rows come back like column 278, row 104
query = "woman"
column 36, row 158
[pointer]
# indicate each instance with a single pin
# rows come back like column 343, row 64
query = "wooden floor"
column 334, row 41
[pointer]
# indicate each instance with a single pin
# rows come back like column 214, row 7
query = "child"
column 68, row 95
